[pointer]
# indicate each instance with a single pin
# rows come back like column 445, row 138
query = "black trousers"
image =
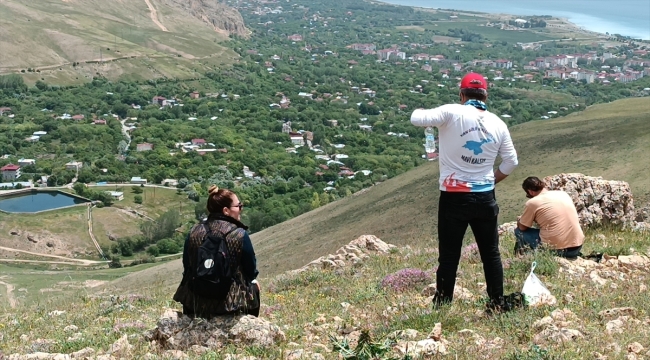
column 456, row 211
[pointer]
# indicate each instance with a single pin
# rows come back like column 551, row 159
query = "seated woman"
column 223, row 221
column 557, row 217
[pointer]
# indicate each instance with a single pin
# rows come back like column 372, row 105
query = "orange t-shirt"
column 558, row 221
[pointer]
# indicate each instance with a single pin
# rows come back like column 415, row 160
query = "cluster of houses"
column 562, row 66
column 11, row 172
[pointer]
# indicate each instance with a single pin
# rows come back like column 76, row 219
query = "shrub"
column 406, row 279
column 137, row 199
column 153, row 250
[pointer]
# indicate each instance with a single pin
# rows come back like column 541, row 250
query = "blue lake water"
column 37, row 201
column 625, row 17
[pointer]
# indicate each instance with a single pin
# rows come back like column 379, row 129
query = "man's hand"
column 520, row 226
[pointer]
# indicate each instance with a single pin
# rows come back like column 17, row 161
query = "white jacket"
column 469, row 142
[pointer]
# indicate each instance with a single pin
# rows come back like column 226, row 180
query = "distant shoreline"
column 564, row 22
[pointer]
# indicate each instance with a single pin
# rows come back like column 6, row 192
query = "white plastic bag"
column 535, row 293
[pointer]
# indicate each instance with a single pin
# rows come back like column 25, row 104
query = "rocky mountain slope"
column 222, row 18
column 67, row 41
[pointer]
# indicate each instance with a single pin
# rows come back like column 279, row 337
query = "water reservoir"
column 35, row 201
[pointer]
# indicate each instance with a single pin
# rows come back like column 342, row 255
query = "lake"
column 36, row 201
column 624, row 17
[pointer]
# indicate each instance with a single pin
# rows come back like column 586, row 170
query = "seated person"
column 224, row 219
column 556, row 215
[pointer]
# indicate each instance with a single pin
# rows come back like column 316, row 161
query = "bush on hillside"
column 406, row 279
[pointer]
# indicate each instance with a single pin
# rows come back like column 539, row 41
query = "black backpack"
column 213, row 275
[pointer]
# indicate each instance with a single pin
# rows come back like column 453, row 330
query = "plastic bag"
column 535, row 293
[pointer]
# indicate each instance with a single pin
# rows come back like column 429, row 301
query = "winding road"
column 154, row 15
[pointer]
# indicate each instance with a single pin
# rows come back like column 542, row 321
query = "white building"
column 116, row 195
column 25, row 162
column 169, row 182
column 74, row 165
column 138, row 180
column 248, row 173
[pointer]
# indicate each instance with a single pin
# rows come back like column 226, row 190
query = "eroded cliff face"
column 221, row 17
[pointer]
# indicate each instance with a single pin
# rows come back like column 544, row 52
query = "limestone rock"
column 609, row 313
column 423, row 348
column 182, row 333
column 120, row 348
column 83, row 353
column 408, row 334
column 460, row 292
column 436, row 333
column 351, row 254
column 598, row 201
column 70, row 328
column 635, row 348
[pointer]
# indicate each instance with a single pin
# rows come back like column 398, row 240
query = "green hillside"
column 605, row 140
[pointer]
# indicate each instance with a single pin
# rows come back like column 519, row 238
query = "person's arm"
column 431, row 117
column 508, row 156
column 525, row 221
column 248, row 260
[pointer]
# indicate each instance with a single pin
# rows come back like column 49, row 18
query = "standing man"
column 470, row 138
column 557, row 217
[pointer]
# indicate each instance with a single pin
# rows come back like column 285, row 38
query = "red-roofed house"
column 199, row 142
column 99, row 122
column 10, row 172
column 159, row 100
column 144, row 147
column 4, row 110
column 195, row 95
column 295, row 37
column 78, row 117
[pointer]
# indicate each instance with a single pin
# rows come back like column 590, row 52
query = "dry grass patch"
column 66, row 230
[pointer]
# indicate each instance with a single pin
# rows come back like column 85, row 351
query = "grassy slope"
column 67, row 229
column 51, row 34
column 605, row 140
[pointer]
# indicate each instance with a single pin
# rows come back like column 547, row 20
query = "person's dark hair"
column 533, row 183
column 218, row 199
column 474, row 94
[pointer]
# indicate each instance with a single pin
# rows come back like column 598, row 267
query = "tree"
column 324, row 199
column 164, row 227
column 136, row 189
column 315, row 201
column 125, row 246
column 137, row 199
column 79, row 188
column 200, row 210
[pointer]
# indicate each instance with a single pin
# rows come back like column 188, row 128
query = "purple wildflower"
column 271, row 309
column 405, row 279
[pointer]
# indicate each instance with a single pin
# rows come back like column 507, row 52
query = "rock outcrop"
column 353, row 253
column 598, row 201
column 179, row 332
column 219, row 16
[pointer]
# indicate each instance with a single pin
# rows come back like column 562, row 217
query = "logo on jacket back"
column 476, row 146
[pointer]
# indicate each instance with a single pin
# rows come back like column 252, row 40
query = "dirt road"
column 154, row 15
column 82, row 262
column 10, row 295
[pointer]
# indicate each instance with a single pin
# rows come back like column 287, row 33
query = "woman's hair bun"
column 213, row 189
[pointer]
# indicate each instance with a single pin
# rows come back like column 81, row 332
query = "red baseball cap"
column 473, row 81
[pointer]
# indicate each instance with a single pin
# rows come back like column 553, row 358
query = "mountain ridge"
column 74, row 40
